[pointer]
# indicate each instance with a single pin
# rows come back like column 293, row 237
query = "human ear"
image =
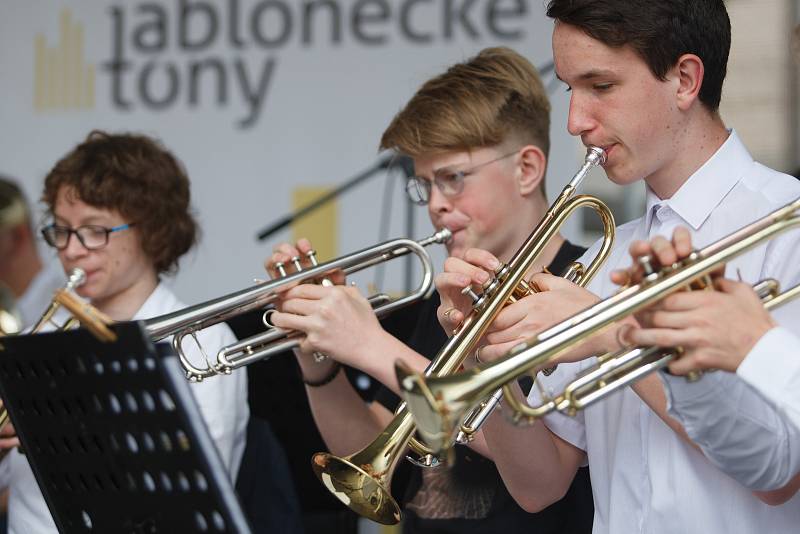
column 532, row 166
column 689, row 72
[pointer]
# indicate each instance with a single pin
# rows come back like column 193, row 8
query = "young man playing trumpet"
column 646, row 80
column 479, row 137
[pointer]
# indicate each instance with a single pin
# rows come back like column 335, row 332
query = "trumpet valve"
column 311, row 255
column 646, row 263
column 281, row 268
column 574, row 272
column 471, row 294
column 297, row 264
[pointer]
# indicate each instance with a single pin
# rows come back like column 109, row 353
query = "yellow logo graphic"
column 61, row 78
column 320, row 226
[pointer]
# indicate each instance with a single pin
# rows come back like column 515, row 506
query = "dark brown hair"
column 660, row 32
column 136, row 176
column 491, row 98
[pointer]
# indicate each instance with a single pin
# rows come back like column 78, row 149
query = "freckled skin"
column 120, row 276
column 624, row 107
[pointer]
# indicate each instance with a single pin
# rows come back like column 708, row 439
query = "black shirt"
column 471, row 496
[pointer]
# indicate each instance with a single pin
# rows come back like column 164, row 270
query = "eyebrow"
column 591, row 74
column 450, row 168
column 92, row 219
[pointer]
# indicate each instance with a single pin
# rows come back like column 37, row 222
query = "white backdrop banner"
column 259, row 99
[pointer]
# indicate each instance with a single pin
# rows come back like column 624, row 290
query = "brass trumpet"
column 440, row 404
column 189, row 321
column 80, row 313
column 362, row 480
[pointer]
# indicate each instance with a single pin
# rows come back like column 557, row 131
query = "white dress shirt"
column 645, row 478
column 773, row 369
column 222, row 401
column 751, row 433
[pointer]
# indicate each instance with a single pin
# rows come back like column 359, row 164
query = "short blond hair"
column 492, row 98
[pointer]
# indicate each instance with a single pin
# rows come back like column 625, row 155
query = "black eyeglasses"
column 450, row 183
column 91, row 236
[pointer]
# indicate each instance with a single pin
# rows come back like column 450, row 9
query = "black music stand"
column 113, row 435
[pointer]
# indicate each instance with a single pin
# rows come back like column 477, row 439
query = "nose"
column 439, row 203
column 74, row 248
column 579, row 121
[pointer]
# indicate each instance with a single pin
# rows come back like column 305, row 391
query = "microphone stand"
column 385, row 163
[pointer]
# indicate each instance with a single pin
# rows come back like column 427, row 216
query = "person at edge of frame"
column 119, row 208
column 646, row 81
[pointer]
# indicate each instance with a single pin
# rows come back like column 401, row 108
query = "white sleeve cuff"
column 773, row 364
column 685, row 397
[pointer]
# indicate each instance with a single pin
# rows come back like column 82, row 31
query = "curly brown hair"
column 136, row 176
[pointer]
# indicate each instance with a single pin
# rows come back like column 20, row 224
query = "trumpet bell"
column 366, row 493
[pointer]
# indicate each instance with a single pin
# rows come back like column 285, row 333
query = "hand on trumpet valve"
column 287, row 259
column 337, row 321
column 471, row 273
column 655, row 255
column 714, row 329
column 555, row 300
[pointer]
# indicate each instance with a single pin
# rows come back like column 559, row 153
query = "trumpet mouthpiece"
column 595, row 155
column 77, row 277
column 444, row 235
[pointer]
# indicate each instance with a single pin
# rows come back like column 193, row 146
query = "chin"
column 621, row 177
column 89, row 291
column 85, row 293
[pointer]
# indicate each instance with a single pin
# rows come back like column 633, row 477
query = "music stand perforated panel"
column 113, row 435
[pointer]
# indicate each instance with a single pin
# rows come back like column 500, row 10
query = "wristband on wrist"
column 325, row 380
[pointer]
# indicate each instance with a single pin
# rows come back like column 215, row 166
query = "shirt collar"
column 154, row 304
column 705, row 189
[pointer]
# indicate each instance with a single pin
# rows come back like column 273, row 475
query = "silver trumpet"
column 189, row 321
